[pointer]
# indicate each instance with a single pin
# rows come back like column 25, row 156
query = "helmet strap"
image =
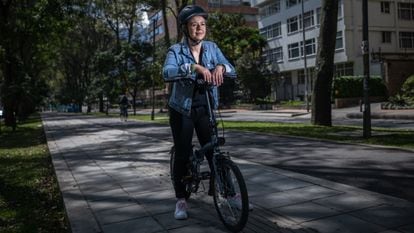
column 193, row 42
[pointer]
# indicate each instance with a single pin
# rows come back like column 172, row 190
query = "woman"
column 193, row 58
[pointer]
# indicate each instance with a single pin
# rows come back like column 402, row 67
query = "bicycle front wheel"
column 230, row 196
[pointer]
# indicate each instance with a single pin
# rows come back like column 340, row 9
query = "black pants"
column 182, row 128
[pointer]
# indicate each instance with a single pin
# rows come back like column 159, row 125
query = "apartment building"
column 391, row 41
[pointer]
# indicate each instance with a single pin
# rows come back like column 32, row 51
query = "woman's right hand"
column 204, row 72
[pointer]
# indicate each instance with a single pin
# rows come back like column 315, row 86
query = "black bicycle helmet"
column 190, row 11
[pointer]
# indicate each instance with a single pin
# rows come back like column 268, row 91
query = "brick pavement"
column 117, row 180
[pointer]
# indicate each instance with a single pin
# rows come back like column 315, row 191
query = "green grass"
column 30, row 200
column 351, row 134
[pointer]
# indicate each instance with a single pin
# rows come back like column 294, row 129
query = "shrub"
column 407, row 88
column 266, row 100
column 352, row 86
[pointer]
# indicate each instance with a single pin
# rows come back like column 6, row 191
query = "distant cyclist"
column 123, row 107
column 193, row 58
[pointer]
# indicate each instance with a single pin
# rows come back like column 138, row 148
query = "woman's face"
column 197, row 28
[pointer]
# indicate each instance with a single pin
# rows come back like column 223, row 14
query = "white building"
column 391, row 41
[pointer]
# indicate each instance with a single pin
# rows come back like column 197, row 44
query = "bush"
column 407, row 88
column 404, row 99
column 352, row 86
column 265, row 100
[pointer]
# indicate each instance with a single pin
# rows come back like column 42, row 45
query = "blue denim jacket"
column 178, row 66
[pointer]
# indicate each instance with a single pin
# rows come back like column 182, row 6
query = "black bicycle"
column 227, row 185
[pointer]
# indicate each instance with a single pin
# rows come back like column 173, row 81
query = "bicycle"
column 123, row 114
column 227, row 183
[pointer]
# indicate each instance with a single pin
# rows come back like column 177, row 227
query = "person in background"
column 123, row 107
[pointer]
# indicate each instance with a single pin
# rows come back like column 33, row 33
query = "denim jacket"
column 178, row 66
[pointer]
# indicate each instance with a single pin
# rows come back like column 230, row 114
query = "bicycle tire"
column 188, row 184
column 232, row 216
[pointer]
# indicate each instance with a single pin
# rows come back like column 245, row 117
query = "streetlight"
column 305, row 73
column 365, row 53
column 154, row 22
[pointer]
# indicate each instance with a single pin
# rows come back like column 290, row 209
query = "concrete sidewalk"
column 115, row 178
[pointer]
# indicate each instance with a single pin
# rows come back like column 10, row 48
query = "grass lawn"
column 30, row 200
column 351, row 134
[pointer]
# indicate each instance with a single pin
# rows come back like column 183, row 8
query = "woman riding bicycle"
column 193, row 58
column 123, row 107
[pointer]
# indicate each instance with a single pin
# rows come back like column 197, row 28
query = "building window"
column 339, row 9
column 308, row 19
column 231, row 2
column 344, row 69
column 294, row 50
column 270, row 9
column 406, row 11
column 385, row 7
column 214, row 3
column 407, row 40
column 339, row 43
column 290, row 3
column 310, row 47
column 274, row 55
column 293, row 24
column 271, row 31
column 386, row 37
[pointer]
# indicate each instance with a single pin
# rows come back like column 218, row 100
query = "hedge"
column 352, row 86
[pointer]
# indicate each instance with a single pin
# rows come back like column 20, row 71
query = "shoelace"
column 182, row 205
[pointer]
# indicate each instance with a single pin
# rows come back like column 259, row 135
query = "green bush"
column 352, row 86
column 266, row 100
column 408, row 87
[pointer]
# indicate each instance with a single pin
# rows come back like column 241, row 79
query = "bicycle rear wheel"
column 188, row 182
column 230, row 196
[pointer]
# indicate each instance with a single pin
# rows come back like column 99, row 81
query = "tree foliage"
column 29, row 42
column 243, row 47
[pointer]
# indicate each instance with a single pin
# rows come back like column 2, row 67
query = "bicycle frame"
column 227, row 180
column 214, row 144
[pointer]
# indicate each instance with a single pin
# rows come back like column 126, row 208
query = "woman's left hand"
column 217, row 75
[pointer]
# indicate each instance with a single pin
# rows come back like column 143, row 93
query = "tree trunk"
column 166, row 28
column 321, row 98
column 7, row 67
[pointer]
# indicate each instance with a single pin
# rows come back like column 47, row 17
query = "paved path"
column 114, row 178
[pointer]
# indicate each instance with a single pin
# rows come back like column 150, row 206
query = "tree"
column 321, row 97
column 243, row 47
column 29, row 39
column 83, row 41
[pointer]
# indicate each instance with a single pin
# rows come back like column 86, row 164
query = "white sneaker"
column 236, row 202
column 181, row 209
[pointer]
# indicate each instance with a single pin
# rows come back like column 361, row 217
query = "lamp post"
column 305, row 73
column 365, row 53
column 154, row 21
